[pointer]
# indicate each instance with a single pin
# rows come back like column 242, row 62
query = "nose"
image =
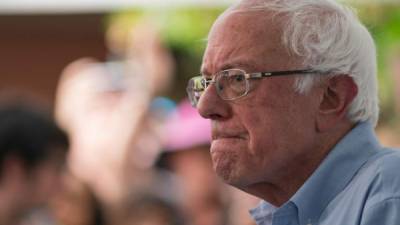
column 211, row 106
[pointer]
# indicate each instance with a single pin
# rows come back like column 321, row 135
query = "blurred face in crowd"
column 24, row 189
column 74, row 205
column 202, row 203
column 266, row 135
column 43, row 181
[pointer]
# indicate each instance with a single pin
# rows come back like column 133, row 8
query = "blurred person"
column 187, row 139
column 149, row 208
column 105, row 109
column 32, row 156
column 290, row 88
column 142, row 46
column 241, row 203
column 204, row 198
column 76, row 204
column 113, row 115
column 100, row 122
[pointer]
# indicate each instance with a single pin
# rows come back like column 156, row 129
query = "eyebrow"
column 235, row 65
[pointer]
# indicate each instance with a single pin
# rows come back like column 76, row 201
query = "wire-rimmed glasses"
column 230, row 84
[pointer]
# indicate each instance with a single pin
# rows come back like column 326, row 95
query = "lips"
column 219, row 135
column 225, row 132
column 223, row 142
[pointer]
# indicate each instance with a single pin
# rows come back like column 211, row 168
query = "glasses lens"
column 195, row 89
column 231, row 84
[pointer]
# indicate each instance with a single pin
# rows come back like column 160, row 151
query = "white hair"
column 329, row 38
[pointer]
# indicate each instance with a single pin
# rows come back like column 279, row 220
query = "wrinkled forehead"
column 250, row 34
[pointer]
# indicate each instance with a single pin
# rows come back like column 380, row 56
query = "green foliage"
column 384, row 23
column 184, row 30
column 187, row 29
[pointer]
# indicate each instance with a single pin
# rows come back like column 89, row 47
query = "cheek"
column 270, row 130
column 274, row 116
column 265, row 129
column 280, row 131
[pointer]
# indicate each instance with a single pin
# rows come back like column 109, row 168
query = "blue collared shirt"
column 358, row 183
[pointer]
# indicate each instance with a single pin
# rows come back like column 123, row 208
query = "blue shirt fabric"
column 358, row 183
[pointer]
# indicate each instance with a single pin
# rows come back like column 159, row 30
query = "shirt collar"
column 263, row 212
column 335, row 172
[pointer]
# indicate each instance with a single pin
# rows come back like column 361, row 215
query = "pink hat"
column 185, row 128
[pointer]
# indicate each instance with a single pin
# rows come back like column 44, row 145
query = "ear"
column 339, row 93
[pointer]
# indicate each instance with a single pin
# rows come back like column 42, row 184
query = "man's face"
column 268, row 133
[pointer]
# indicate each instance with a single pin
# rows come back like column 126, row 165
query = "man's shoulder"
column 386, row 163
column 383, row 171
column 376, row 183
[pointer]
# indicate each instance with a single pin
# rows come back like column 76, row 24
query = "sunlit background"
column 39, row 38
column 113, row 152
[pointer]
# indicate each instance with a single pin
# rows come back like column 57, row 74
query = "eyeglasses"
column 231, row 84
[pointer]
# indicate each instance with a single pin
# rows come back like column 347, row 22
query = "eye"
column 237, row 78
column 236, row 81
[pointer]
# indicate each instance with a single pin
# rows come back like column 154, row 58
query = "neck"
column 280, row 190
column 277, row 192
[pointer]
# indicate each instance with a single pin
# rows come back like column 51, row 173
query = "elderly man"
column 290, row 87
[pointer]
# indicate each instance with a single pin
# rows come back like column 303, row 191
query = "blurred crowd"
column 115, row 151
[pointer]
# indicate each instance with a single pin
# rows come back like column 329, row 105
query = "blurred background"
column 113, row 75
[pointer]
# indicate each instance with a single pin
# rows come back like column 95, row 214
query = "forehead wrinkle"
column 245, row 40
column 220, row 55
column 229, row 59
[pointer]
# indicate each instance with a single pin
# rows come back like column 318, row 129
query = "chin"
column 233, row 179
column 227, row 170
column 224, row 165
column 226, row 157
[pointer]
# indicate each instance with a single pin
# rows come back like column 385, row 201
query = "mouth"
column 221, row 136
column 222, row 131
column 223, row 143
